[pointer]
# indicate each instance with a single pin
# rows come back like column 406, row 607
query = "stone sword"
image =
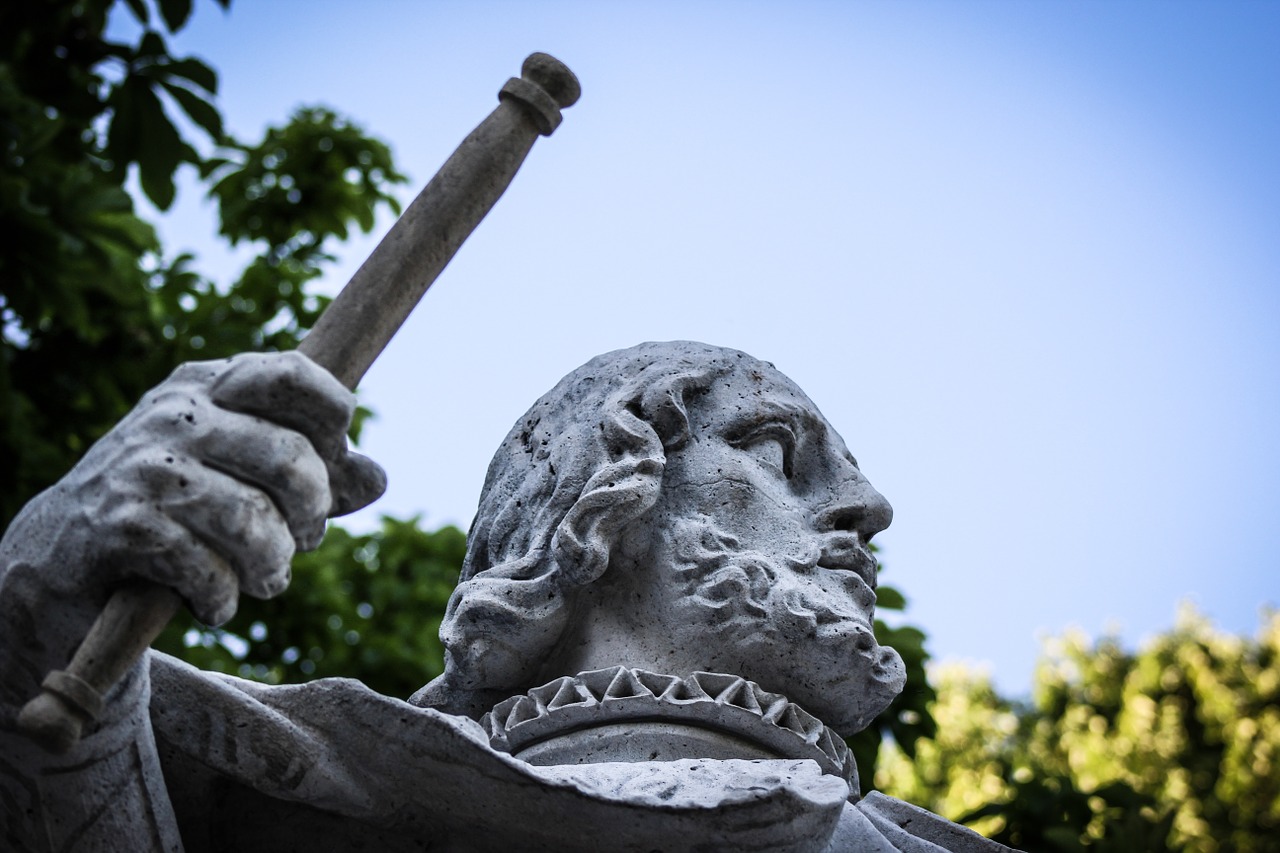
column 346, row 339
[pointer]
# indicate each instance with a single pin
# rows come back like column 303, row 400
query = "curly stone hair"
column 583, row 463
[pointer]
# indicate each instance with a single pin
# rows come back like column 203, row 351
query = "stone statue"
column 662, row 628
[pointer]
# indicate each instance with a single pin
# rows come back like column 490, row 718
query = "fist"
column 212, row 482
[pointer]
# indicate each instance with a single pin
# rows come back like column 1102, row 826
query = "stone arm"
column 208, row 487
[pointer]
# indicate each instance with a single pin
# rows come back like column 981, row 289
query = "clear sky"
column 1025, row 257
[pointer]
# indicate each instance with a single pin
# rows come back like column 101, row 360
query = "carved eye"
column 772, row 444
column 770, row 452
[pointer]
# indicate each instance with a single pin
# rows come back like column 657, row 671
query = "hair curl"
column 583, row 463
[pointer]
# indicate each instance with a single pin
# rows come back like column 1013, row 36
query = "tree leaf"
column 152, row 45
column 175, row 13
column 123, row 136
column 888, row 598
column 164, row 149
column 139, row 10
column 195, row 71
column 198, row 109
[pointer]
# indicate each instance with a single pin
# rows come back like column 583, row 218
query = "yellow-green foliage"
column 1174, row 747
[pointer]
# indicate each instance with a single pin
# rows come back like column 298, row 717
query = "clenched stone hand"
column 208, row 486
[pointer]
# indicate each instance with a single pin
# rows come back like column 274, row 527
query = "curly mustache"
column 735, row 583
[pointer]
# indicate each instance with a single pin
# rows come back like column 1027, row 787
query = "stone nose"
column 857, row 508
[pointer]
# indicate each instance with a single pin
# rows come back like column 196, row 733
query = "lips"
column 846, row 553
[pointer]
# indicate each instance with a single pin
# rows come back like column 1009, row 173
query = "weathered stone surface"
column 679, row 511
column 333, row 764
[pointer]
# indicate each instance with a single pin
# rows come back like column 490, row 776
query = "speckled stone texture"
column 663, row 625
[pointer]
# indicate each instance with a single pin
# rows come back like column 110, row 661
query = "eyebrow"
column 799, row 418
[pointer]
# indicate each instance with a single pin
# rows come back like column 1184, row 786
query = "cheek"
column 707, row 490
column 760, row 519
column 818, row 473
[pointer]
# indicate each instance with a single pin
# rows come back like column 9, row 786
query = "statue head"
column 675, row 507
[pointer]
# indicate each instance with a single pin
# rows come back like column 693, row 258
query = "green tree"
column 92, row 312
column 1172, row 747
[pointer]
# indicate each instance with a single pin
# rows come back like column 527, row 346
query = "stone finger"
column 275, row 460
column 242, row 525
column 292, row 390
column 355, row 481
column 158, row 548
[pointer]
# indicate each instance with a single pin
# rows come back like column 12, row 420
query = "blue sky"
column 1023, row 255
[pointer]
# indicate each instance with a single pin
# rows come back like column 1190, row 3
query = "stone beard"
column 762, row 603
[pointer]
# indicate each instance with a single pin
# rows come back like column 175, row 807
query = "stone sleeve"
column 107, row 794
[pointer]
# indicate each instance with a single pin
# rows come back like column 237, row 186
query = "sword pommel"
column 545, row 86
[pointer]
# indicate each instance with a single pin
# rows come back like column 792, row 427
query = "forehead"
column 753, row 392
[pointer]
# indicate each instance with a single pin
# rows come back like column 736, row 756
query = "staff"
column 345, row 341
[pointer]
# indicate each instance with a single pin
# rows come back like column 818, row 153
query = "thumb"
column 355, row 481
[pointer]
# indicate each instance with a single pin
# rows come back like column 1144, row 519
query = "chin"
column 849, row 704
column 827, row 662
column 837, row 672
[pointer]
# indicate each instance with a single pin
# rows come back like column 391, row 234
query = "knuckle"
column 263, row 531
column 196, row 371
column 155, row 469
column 282, row 556
column 270, row 577
column 212, row 593
column 303, row 375
column 140, row 531
column 287, row 369
column 294, row 447
column 254, row 512
column 295, row 365
column 168, row 415
column 305, row 480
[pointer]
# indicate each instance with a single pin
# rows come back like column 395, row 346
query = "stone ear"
column 581, row 554
column 617, row 495
column 638, row 434
column 620, row 491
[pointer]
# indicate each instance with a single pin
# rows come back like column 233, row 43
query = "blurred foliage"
column 366, row 607
column 1175, row 747
column 302, row 183
column 92, row 312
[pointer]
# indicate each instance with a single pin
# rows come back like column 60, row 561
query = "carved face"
column 765, row 464
column 757, row 561
column 674, row 507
